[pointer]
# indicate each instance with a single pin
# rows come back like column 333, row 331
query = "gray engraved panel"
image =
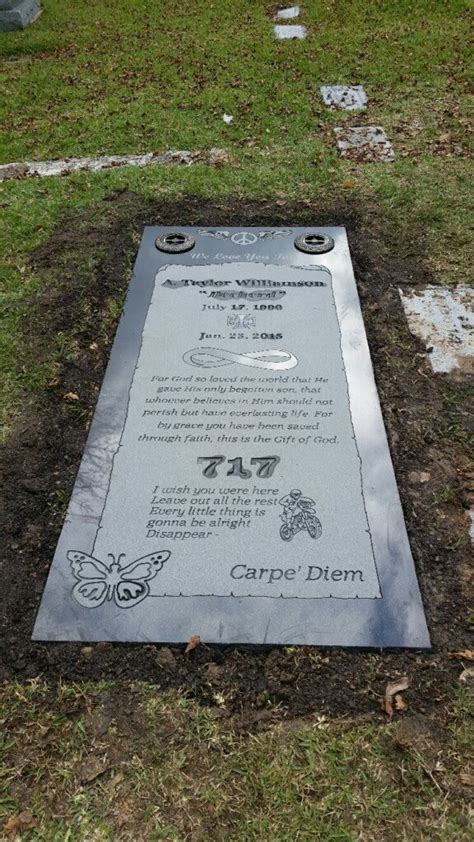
column 237, row 482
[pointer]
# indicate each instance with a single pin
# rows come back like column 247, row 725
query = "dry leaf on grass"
column 467, row 677
column 399, row 703
column 195, row 641
column 70, row 396
column 91, row 768
column 392, row 690
column 21, row 821
column 465, row 655
column 466, row 779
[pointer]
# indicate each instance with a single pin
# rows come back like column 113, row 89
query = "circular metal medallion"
column 174, row 242
column 314, row 243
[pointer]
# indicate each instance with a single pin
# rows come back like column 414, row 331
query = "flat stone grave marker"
column 363, row 144
column 344, row 97
column 288, row 13
column 237, row 482
column 289, row 31
column 443, row 318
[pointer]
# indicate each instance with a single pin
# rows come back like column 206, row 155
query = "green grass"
column 95, row 77
column 168, row 769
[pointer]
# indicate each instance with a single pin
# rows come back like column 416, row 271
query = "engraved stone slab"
column 237, row 483
column 344, row 97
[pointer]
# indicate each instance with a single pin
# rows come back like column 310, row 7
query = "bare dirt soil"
column 87, row 264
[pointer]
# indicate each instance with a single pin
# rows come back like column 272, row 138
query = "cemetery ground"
column 150, row 742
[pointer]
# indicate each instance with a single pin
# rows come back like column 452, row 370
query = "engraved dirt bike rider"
column 299, row 513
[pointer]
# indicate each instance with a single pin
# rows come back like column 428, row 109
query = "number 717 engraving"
column 266, row 466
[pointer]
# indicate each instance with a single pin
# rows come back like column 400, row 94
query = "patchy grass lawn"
column 130, row 76
column 105, row 762
column 130, row 761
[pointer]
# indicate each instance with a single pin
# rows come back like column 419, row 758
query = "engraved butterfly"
column 126, row 585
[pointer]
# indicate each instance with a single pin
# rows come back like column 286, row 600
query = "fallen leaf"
column 465, row 655
column 421, row 736
column 165, row 658
column 467, row 677
column 466, row 778
column 349, row 184
column 392, row 689
column 91, row 768
column 399, row 703
column 419, row 476
column 71, row 396
column 12, row 824
column 195, row 641
column 214, row 673
column 21, row 821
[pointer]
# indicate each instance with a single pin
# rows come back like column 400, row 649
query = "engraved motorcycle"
column 304, row 519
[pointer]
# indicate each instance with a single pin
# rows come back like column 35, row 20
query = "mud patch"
column 86, row 265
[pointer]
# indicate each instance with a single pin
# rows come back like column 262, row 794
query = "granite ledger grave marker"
column 237, row 482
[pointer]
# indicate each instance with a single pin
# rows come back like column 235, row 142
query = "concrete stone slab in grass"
column 290, row 31
column 288, row 14
column 344, row 97
column 363, row 144
column 66, row 166
column 16, row 14
column 443, row 319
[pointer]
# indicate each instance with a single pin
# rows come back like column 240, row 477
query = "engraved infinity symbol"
column 213, row 357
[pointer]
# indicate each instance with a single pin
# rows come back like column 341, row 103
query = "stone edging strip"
column 44, row 169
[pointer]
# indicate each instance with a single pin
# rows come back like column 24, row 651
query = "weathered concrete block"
column 16, row 14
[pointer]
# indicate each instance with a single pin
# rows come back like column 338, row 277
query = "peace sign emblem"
column 244, row 238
